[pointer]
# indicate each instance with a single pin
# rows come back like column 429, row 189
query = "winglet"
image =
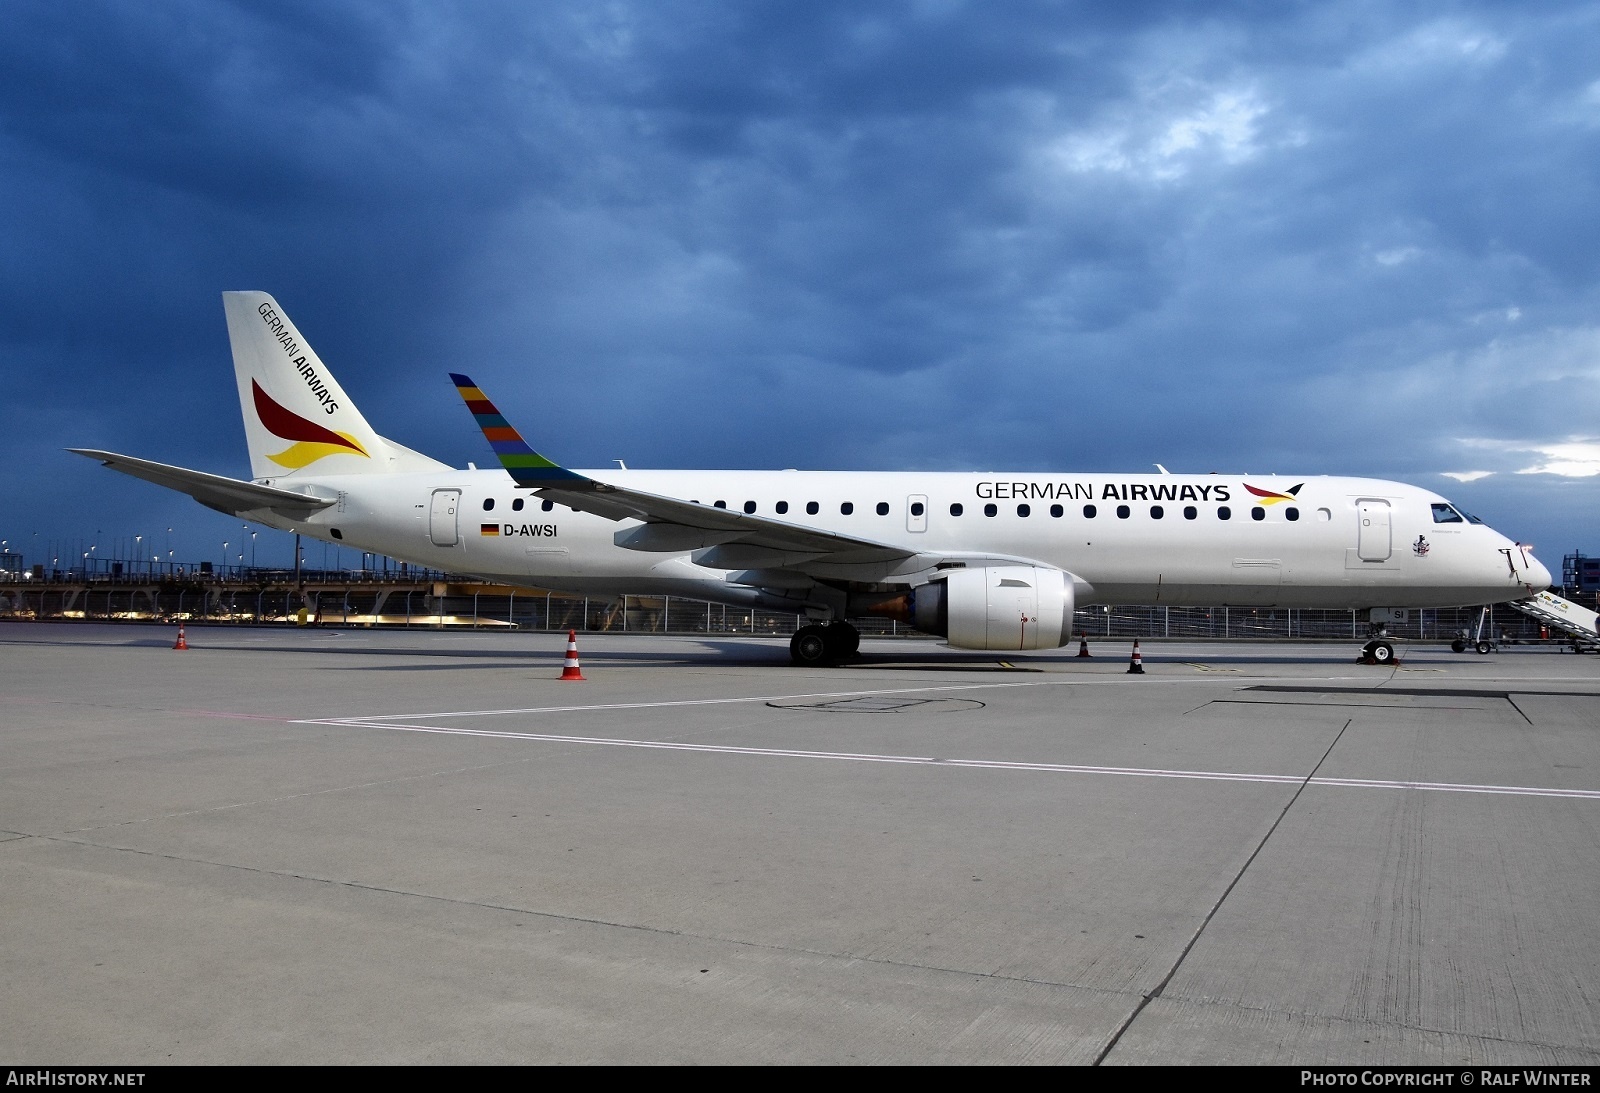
column 527, row 466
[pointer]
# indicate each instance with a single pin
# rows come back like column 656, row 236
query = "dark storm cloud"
column 1341, row 238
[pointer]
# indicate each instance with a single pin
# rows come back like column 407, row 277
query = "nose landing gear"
column 1378, row 649
column 1377, row 652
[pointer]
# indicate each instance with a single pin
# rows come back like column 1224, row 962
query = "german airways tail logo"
column 311, row 441
column 1267, row 497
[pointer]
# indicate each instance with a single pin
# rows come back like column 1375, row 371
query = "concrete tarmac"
column 342, row 846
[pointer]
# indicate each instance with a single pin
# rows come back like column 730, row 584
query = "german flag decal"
column 488, row 529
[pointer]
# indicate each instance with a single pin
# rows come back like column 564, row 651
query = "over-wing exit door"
column 917, row 512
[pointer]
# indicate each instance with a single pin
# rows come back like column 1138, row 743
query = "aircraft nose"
column 1536, row 576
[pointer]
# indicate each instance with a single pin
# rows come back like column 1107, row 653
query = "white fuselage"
column 1201, row 540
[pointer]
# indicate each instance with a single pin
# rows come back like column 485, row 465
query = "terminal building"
column 1580, row 574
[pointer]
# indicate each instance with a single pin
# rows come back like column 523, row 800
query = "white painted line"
column 976, row 764
column 1459, row 787
column 1115, row 680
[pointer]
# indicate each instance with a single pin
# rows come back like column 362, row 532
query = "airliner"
column 987, row 561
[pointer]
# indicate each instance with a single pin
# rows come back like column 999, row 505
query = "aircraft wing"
column 227, row 495
column 671, row 524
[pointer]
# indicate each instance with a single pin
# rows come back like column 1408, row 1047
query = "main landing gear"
column 815, row 645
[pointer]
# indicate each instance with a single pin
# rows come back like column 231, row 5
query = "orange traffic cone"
column 1136, row 665
column 181, row 643
column 571, row 669
column 1083, row 644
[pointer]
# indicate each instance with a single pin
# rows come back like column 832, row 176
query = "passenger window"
column 488, row 504
column 781, row 507
column 956, row 509
column 1122, row 512
column 1056, row 511
column 990, row 509
column 1024, row 510
column 1258, row 513
column 1291, row 514
column 1157, row 512
column 516, row 504
column 883, row 508
column 1190, row 512
column 917, row 508
column 547, row 505
column 1224, row 512
column 1444, row 514
column 719, row 504
column 1089, row 511
column 750, row 506
column 847, row 508
column 811, row 508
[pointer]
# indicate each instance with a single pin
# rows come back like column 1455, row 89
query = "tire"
column 1484, row 648
column 1458, row 646
column 1382, row 652
column 844, row 640
column 809, row 647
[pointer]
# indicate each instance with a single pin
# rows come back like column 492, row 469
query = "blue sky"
column 1331, row 238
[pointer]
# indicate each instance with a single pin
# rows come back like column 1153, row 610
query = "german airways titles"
column 1109, row 491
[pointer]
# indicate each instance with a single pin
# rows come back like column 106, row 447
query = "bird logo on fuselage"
column 1268, row 497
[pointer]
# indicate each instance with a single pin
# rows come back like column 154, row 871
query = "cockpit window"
column 1444, row 514
column 1471, row 519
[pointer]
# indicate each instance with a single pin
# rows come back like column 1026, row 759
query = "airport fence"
column 423, row 605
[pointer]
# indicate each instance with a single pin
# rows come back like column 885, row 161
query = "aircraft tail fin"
column 296, row 416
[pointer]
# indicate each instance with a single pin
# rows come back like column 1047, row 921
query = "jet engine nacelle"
column 997, row 607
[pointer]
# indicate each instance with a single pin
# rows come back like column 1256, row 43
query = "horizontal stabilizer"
column 213, row 490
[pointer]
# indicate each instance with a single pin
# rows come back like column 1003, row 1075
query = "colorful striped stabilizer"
column 527, row 466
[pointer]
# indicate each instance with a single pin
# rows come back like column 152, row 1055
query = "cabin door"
column 442, row 517
column 1372, row 536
